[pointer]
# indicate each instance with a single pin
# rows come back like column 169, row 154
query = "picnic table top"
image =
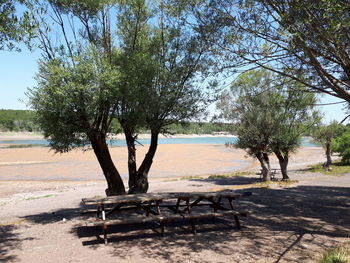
column 159, row 196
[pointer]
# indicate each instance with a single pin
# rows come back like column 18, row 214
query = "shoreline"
column 7, row 136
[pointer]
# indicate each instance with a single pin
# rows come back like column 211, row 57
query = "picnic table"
column 162, row 208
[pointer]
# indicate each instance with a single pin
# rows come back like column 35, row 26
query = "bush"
column 342, row 146
column 340, row 254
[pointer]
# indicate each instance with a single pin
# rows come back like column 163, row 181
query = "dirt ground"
column 40, row 219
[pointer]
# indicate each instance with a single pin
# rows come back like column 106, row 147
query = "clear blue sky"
column 17, row 72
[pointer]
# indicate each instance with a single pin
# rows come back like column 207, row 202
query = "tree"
column 161, row 82
column 303, row 40
column 74, row 106
column 76, row 96
column 325, row 134
column 145, row 76
column 342, row 146
column 270, row 117
column 245, row 103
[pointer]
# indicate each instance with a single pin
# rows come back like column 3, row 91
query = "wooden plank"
column 216, row 214
column 153, row 218
column 134, row 198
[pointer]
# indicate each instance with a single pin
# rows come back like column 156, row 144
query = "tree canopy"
column 146, row 74
column 270, row 116
column 304, row 40
column 15, row 26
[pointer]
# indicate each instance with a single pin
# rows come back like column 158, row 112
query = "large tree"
column 307, row 41
column 145, row 74
column 76, row 94
column 270, row 117
column 161, row 68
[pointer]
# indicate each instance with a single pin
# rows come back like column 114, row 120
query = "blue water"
column 306, row 142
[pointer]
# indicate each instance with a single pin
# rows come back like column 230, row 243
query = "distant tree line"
column 24, row 121
column 18, row 120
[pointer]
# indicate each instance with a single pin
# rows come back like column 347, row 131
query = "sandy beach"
column 40, row 219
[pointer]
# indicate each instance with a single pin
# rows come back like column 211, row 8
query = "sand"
column 40, row 219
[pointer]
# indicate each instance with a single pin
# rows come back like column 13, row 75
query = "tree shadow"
column 9, row 241
column 283, row 221
column 234, row 180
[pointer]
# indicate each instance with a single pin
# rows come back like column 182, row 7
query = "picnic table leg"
column 177, row 205
column 157, row 207
column 161, row 227
column 188, row 207
column 105, row 234
column 238, row 225
column 193, row 225
column 230, row 200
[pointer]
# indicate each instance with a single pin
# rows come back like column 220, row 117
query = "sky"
column 17, row 71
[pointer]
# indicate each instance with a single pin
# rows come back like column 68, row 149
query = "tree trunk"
column 328, row 153
column 130, row 142
column 265, row 166
column 114, row 181
column 138, row 178
column 141, row 180
column 283, row 161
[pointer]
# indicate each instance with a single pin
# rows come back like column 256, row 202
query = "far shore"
column 37, row 136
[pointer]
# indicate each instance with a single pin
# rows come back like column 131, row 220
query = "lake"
column 306, row 141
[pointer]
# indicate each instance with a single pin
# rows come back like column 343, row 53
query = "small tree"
column 247, row 103
column 342, row 146
column 270, row 117
column 325, row 134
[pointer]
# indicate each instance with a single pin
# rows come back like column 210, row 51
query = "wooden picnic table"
column 150, row 207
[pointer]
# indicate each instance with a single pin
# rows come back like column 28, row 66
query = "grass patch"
column 262, row 185
column 339, row 254
column 222, row 176
column 281, row 184
column 39, row 197
column 190, row 177
column 337, row 168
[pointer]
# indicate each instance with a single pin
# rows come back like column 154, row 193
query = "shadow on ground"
column 9, row 241
column 290, row 225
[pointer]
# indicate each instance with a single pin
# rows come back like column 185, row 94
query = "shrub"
column 342, row 146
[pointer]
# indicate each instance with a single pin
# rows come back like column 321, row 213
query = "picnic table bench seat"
column 161, row 219
column 148, row 208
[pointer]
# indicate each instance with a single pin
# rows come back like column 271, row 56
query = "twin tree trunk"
column 114, row 181
column 283, row 160
column 138, row 178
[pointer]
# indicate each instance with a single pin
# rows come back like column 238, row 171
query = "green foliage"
column 15, row 26
column 269, row 115
column 304, row 40
column 336, row 168
column 18, row 120
column 225, row 176
column 339, row 254
column 327, row 133
column 342, row 146
column 74, row 99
